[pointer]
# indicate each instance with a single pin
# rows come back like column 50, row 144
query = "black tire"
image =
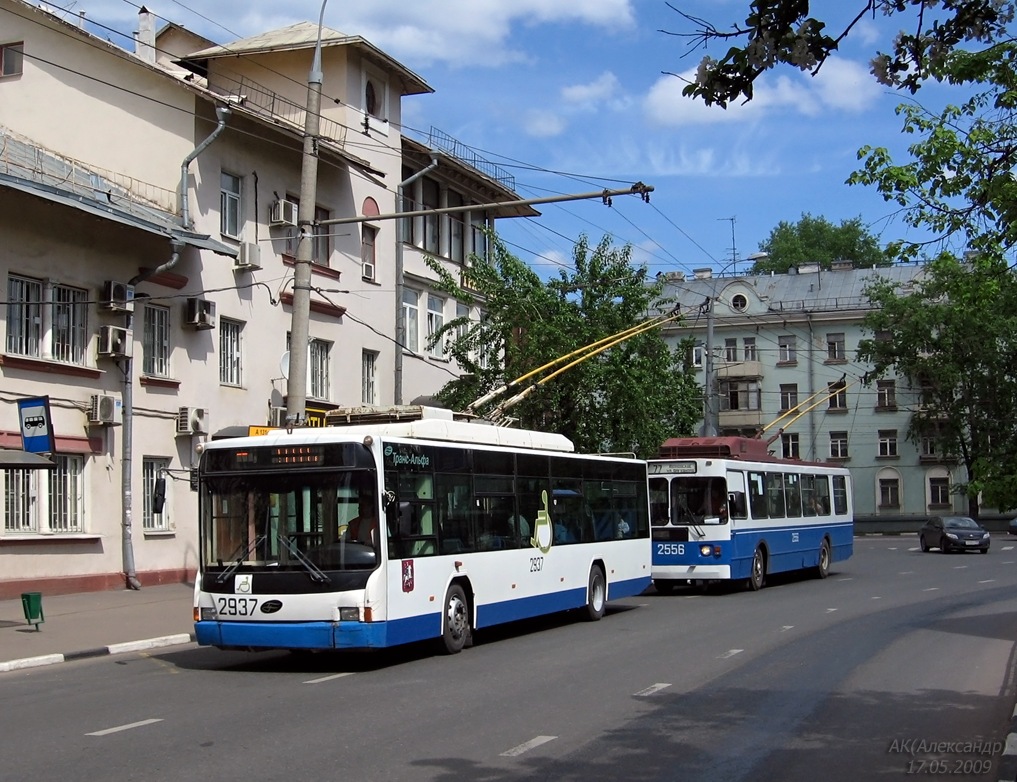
column 596, row 594
column 664, row 586
column 943, row 547
column 455, row 621
column 823, row 568
column 923, row 543
column 757, row 576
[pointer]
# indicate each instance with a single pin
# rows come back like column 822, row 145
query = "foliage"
column 954, row 339
column 816, row 239
column 628, row 398
column 959, row 182
column 777, row 32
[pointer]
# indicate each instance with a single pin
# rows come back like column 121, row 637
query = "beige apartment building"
column 148, row 207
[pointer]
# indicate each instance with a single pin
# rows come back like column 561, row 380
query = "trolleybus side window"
column 840, row 494
column 775, row 494
column 794, row 495
column 757, row 495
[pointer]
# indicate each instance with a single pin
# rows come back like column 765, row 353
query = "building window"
column 318, row 377
column 229, row 205
column 835, row 347
column 838, row 395
column 230, row 352
column 457, row 245
column 887, row 442
column 155, row 513
column 369, row 377
column 321, row 246
column 928, row 447
column 739, row 395
column 155, row 341
column 697, row 356
column 58, row 331
column 838, row 445
column 430, row 193
column 368, row 259
column 12, row 59
column 889, row 492
column 788, row 396
column 371, row 103
column 24, row 316
column 411, row 320
column 787, row 350
column 789, row 447
column 478, row 228
column 57, row 510
column 739, row 302
column 731, row 350
column 749, row 344
column 886, row 394
column 435, row 320
column 939, row 492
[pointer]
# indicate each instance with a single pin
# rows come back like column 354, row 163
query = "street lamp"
column 711, row 416
column 296, row 383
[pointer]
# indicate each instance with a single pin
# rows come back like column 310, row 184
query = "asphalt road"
column 899, row 664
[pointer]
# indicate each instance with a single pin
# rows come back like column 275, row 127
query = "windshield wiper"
column 685, row 511
column 316, row 573
column 240, row 558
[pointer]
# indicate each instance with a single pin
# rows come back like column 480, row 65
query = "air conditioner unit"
column 200, row 314
column 192, row 420
column 277, row 416
column 104, row 409
column 114, row 342
column 249, row 258
column 283, row 212
column 117, row 296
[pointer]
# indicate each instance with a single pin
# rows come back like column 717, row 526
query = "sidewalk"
column 90, row 624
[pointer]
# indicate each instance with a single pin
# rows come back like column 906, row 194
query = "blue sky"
column 572, row 97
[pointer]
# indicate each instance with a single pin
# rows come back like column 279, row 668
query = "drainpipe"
column 127, row 462
column 222, row 112
column 400, row 320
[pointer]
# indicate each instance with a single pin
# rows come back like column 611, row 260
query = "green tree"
column 628, row 398
column 954, row 339
column 782, row 32
column 816, row 239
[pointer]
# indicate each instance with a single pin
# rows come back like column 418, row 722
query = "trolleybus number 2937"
column 236, row 606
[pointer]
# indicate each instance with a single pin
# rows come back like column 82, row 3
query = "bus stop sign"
column 36, row 426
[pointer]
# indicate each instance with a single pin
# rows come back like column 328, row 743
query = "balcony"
column 740, row 419
column 733, row 369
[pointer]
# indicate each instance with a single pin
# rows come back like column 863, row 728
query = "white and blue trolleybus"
column 395, row 525
column 725, row 509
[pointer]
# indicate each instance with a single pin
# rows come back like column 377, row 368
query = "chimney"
column 703, row 273
column 144, row 38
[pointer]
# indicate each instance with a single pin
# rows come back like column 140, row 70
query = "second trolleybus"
column 405, row 525
column 725, row 509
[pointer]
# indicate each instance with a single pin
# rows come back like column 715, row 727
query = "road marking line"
column 891, row 548
column 987, row 581
column 960, row 567
column 876, row 597
column 526, row 747
column 730, row 653
column 915, row 548
column 906, row 573
column 830, row 610
column 329, row 678
column 848, row 578
column 931, row 589
column 651, row 690
column 123, row 727
column 785, row 628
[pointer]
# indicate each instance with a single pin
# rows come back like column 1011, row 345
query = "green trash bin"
column 31, row 602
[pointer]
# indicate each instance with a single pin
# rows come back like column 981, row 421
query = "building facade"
column 785, row 369
column 148, row 203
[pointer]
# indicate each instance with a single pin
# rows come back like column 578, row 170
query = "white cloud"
column 543, row 124
column 841, row 86
column 603, row 88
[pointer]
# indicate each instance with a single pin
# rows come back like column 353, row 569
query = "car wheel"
column 944, row 547
column 596, row 594
column 456, row 630
column 757, row 576
column 985, row 550
column 823, row 568
column 923, row 543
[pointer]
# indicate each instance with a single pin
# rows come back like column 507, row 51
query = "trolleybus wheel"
column 758, row 573
column 664, row 586
column 456, row 622
column 596, row 594
column 823, row 568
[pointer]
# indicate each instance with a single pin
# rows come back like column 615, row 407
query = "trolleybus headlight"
column 351, row 614
column 706, row 549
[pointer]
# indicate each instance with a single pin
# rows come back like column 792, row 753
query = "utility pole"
column 296, row 382
column 709, row 408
